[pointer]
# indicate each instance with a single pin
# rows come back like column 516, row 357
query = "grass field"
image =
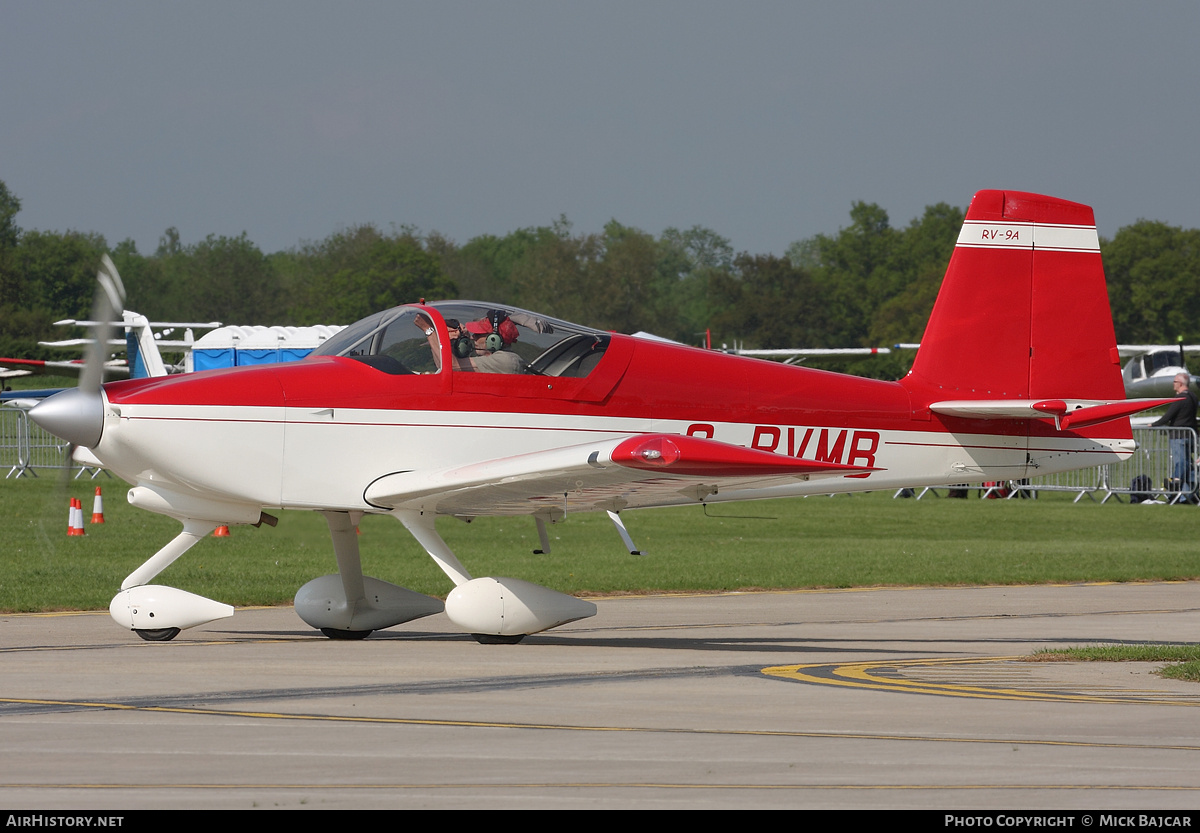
column 859, row 540
column 1185, row 659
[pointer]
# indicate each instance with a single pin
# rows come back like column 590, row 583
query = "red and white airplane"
column 406, row 413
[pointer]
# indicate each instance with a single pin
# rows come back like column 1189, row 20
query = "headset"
column 464, row 345
column 493, row 341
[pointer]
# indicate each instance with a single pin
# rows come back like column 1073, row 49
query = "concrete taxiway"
column 902, row 698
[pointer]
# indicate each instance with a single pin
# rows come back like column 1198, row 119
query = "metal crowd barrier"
column 26, row 447
column 1163, row 467
column 1083, row 482
column 14, row 442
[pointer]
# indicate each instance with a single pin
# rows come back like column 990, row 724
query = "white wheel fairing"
column 509, row 606
column 322, row 604
column 156, row 607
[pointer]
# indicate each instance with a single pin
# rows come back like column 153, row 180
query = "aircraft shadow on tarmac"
column 790, row 645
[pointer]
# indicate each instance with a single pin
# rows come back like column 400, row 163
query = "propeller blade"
column 109, row 303
column 77, row 414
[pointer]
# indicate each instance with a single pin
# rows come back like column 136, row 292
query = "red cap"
column 508, row 330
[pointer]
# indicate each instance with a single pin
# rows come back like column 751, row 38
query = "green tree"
column 690, row 262
column 767, row 302
column 1153, row 274
column 877, row 283
column 47, row 276
column 621, row 280
column 853, row 270
column 222, row 278
column 359, row 271
column 482, row 268
column 11, row 281
column 554, row 271
column 58, row 271
column 146, row 286
column 9, row 206
column 920, row 259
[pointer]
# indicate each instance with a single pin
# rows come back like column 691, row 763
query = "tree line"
column 870, row 284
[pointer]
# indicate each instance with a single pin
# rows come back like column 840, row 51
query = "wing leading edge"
column 643, row 470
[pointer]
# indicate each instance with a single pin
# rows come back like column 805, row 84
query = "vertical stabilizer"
column 1023, row 310
column 141, row 349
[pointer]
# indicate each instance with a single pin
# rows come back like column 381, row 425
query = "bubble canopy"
column 483, row 337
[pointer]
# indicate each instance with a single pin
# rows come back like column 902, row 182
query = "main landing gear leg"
column 343, row 529
column 351, row 605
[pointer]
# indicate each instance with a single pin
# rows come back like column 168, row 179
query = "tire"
column 497, row 639
column 335, row 633
column 157, row 634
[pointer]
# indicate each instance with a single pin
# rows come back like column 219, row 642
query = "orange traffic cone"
column 221, row 532
column 98, row 508
column 76, row 521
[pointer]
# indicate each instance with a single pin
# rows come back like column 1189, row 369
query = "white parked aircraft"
column 1153, row 368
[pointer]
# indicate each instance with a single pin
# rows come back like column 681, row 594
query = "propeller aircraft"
column 1152, row 368
column 469, row 409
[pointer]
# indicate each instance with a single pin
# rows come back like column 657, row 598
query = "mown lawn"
column 859, row 540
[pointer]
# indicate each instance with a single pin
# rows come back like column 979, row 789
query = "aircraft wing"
column 1127, row 351
column 643, row 470
column 116, row 367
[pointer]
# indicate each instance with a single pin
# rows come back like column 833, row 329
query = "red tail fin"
column 1023, row 310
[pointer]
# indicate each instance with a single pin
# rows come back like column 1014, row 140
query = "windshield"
column 1162, row 360
column 391, row 341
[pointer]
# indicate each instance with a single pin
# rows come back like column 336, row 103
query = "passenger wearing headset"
column 478, row 345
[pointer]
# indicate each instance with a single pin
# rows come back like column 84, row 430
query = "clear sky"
column 763, row 121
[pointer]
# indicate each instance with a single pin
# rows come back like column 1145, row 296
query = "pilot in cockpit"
column 478, row 345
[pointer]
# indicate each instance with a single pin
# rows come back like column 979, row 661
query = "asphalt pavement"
column 878, row 698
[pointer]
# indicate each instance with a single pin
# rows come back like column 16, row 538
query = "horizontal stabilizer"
column 1097, row 414
column 1066, row 413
